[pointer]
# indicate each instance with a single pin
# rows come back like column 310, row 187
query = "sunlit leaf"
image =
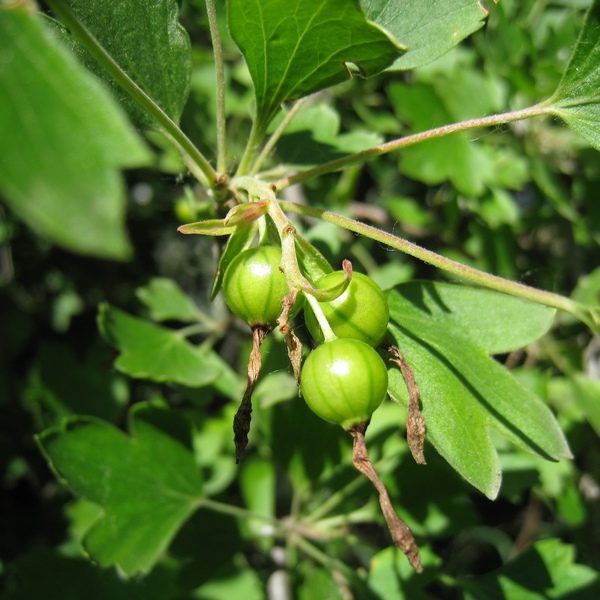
column 296, row 47
column 149, row 351
column 577, row 98
column 429, row 28
column 147, row 42
column 167, row 301
column 464, row 392
column 62, row 141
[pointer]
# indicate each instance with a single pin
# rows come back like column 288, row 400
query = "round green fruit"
column 254, row 286
column 344, row 381
column 361, row 312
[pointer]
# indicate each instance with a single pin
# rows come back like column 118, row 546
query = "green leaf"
column 70, row 384
column 149, row 351
column 313, row 137
column 43, row 572
column 577, row 98
column 240, row 239
column 547, row 570
column 147, row 42
column 311, row 261
column 63, row 141
column 296, row 47
column 464, row 392
column 147, row 483
column 429, row 28
column 258, row 485
column 447, row 97
column 495, row 322
column 167, row 301
column 213, row 227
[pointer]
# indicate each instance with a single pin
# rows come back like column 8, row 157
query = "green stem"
column 253, row 146
column 466, row 273
column 220, row 73
column 289, row 260
column 91, row 44
column 336, row 499
column 317, row 309
column 276, row 135
column 324, row 558
column 409, row 140
column 236, row 511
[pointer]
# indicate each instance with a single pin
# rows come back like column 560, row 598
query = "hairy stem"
column 220, row 73
column 409, row 140
column 276, row 135
column 253, row 147
column 91, row 44
column 236, row 511
column 450, row 266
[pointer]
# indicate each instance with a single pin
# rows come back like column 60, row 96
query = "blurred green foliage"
column 295, row 518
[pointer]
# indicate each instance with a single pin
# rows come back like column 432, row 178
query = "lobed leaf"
column 147, row 482
column 62, row 142
column 296, row 47
column 313, row 137
column 444, row 335
column 146, row 40
column 167, row 301
column 429, row 28
column 495, row 322
column 577, row 98
column 149, row 351
column 546, row 570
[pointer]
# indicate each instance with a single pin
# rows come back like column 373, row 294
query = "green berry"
column 361, row 312
column 254, row 286
column 344, row 381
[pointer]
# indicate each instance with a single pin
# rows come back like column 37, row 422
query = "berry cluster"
column 344, row 379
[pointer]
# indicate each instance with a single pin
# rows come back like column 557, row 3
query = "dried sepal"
column 415, row 421
column 243, row 416
column 399, row 530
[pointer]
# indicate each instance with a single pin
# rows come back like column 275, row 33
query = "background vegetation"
column 295, row 519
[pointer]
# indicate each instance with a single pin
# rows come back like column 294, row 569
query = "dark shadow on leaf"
column 300, row 148
column 529, row 571
column 205, row 544
column 416, row 292
column 167, row 421
column 476, row 394
column 294, row 421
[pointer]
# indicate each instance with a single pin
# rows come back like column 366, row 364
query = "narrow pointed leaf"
column 147, row 483
column 62, row 142
column 429, row 27
column 464, row 391
column 577, row 99
column 495, row 322
column 147, row 42
column 296, row 47
column 456, row 426
column 214, row 227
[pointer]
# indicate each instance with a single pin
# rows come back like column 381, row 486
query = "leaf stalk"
column 409, row 140
column 91, row 44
